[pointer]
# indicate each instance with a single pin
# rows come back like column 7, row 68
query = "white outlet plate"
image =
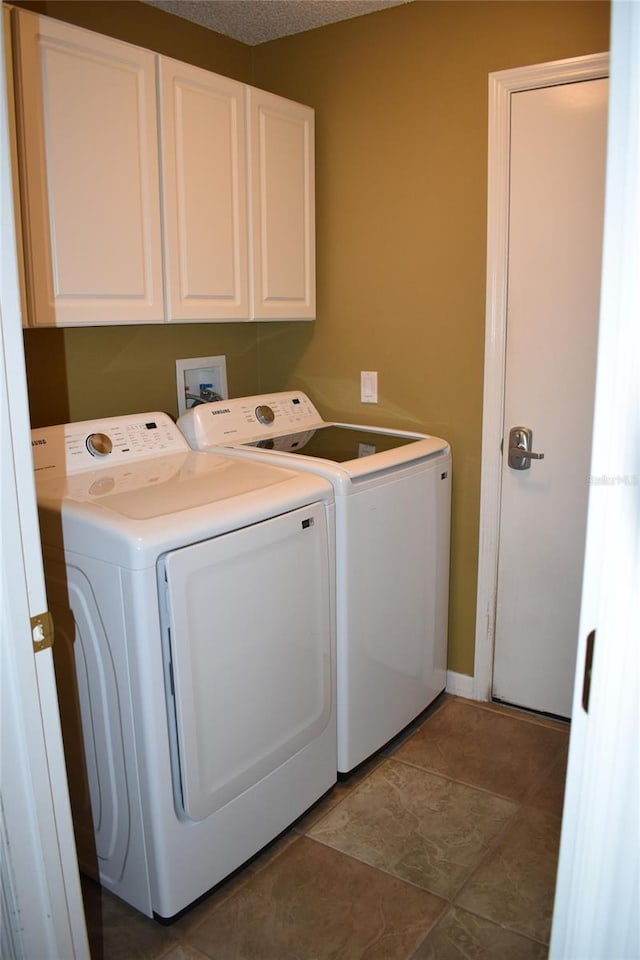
column 196, row 376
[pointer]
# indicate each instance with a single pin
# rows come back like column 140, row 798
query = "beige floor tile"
column 426, row 812
column 415, row 825
column 463, row 936
column 500, row 752
column 548, row 793
column 337, row 794
column 515, row 885
column 315, row 903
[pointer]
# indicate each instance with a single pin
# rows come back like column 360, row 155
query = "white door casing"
column 502, row 87
column 42, row 912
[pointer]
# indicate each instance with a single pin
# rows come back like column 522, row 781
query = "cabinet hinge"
column 42, row 631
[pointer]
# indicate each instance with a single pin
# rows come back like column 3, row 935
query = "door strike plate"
column 42, row 631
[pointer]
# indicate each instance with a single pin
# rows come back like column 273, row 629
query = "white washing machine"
column 193, row 602
column 393, row 506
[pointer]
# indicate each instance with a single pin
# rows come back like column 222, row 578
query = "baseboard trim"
column 460, row 684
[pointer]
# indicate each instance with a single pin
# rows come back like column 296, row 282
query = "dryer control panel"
column 249, row 419
column 91, row 444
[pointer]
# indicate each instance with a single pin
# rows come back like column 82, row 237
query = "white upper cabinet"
column 154, row 191
column 204, row 193
column 282, row 207
column 90, row 189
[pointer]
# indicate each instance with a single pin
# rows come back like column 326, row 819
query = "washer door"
column 248, row 630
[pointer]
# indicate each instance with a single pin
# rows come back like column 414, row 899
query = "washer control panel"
column 92, row 444
column 248, row 419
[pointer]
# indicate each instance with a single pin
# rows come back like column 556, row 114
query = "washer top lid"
column 287, row 426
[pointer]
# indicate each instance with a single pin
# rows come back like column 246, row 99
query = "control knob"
column 265, row 414
column 99, row 444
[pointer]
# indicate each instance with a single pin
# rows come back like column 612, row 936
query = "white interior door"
column 557, row 161
column 597, row 891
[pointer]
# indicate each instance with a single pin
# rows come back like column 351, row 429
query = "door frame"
column 502, row 86
column 41, row 914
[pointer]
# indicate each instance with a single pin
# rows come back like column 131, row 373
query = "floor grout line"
column 463, row 783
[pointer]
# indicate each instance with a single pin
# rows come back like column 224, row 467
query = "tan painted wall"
column 80, row 374
column 401, row 158
column 401, row 144
column 77, row 374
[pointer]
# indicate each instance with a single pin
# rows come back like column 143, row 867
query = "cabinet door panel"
column 90, row 176
column 204, row 194
column 281, row 145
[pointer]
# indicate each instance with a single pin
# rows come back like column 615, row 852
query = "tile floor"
column 442, row 847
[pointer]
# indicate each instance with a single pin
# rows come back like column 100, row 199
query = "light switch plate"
column 368, row 386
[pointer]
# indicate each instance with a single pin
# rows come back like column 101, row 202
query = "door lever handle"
column 523, row 452
column 520, row 452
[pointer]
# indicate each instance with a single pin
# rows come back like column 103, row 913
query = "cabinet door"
column 281, row 149
column 204, row 187
column 89, row 169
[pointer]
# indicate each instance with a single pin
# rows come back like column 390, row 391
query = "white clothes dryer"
column 193, row 602
column 393, row 506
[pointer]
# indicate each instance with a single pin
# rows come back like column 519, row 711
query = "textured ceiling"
column 256, row 21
